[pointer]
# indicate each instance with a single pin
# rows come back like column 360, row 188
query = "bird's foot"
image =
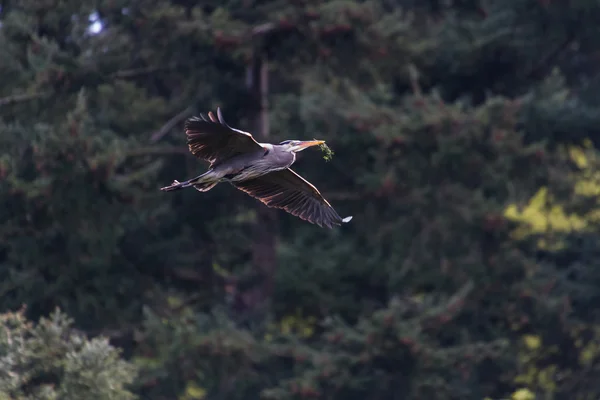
column 173, row 186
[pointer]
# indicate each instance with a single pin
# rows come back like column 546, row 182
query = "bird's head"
column 295, row 146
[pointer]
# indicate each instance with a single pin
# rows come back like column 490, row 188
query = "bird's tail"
column 202, row 183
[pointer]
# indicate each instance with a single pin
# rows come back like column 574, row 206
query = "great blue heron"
column 259, row 169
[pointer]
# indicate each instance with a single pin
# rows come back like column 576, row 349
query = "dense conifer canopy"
column 466, row 139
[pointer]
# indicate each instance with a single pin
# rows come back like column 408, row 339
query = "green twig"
column 328, row 152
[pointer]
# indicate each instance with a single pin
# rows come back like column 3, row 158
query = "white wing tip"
column 347, row 219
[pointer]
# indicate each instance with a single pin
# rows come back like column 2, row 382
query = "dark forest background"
column 466, row 136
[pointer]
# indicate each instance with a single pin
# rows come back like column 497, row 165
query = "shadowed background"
column 465, row 138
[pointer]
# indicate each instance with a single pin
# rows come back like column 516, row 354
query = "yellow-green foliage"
column 523, row 394
column 542, row 214
column 536, row 375
column 293, row 324
column 589, row 350
column 327, row 150
column 51, row 360
column 519, row 394
column 193, row 392
column 541, row 379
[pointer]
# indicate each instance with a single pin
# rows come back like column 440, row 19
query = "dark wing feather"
column 212, row 140
column 287, row 190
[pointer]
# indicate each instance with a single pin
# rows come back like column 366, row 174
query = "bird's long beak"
column 307, row 144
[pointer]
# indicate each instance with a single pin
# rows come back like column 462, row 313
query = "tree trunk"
column 265, row 228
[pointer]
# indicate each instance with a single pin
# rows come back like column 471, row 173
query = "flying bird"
column 261, row 170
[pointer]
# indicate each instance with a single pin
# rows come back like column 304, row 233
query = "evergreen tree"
column 445, row 118
column 51, row 360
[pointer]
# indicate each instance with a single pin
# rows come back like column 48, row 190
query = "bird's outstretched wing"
column 287, row 190
column 212, row 140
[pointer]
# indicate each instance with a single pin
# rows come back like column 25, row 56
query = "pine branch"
column 548, row 61
column 144, row 151
column 187, row 302
column 135, row 72
column 19, row 98
column 170, row 124
column 263, row 29
column 188, row 274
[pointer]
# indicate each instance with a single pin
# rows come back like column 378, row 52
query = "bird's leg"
column 202, row 183
column 175, row 186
